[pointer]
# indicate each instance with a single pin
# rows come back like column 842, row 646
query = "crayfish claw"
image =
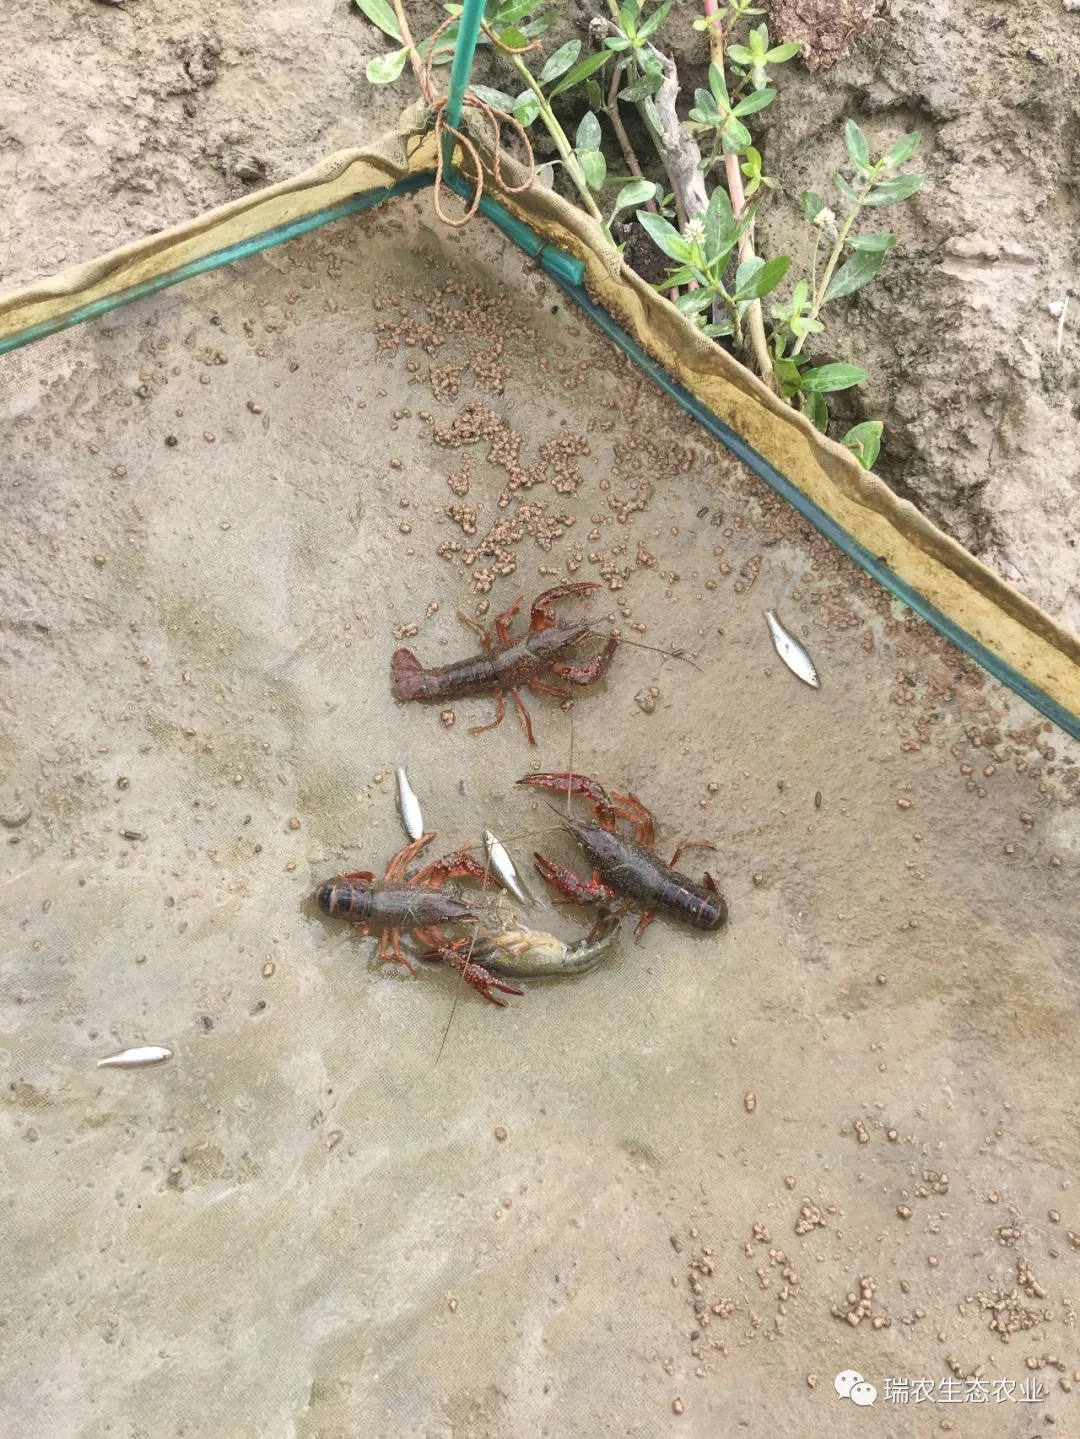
column 567, row 783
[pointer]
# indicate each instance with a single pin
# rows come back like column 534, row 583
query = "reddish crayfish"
column 508, row 663
column 418, row 905
column 628, row 870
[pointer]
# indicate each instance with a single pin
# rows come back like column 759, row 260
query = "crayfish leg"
column 644, row 922
column 690, row 844
column 500, row 710
column 526, row 719
column 628, row 806
column 404, row 857
column 390, row 948
column 481, row 630
column 503, row 621
column 538, row 687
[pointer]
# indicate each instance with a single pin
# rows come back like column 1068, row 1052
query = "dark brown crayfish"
column 395, row 903
column 629, row 870
column 508, row 663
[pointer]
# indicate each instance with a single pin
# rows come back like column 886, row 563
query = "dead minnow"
column 502, row 867
column 409, row 804
column 137, row 1058
column 791, row 652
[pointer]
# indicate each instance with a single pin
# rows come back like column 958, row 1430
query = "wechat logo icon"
column 849, row 1384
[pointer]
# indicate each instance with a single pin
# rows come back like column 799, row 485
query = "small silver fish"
column 136, row 1058
column 791, row 652
column 410, row 805
column 503, row 868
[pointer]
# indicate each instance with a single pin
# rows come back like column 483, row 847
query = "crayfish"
column 519, row 953
column 395, row 903
column 628, row 870
column 508, row 663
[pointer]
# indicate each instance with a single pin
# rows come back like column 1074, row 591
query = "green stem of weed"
column 820, row 291
column 562, row 144
column 738, row 203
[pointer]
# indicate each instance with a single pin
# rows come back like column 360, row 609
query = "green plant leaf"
column 818, row 411
column 718, row 86
column 628, row 20
column 682, row 276
column 545, row 176
column 636, row 193
column 757, row 101
column 560, row 62
column 693, row 302
column 901, row 151
column 514, row 11
column 855, row 273
column 781, row 53
column 745, row 273
column 588, row 134
column 655, row 20
column 762, row 280
column 872, row 242
column 865, row 441
column 595, row 168
column 648, row 105
column 382, row 14
column 893, row 191
column 787, row 372
column 515, row 38
column 665, row 237
column 826, row 378
column 740, row 54
column 722, row 327
column 581, row 71
column 530, row 31
column 593, row 94
column 643, row 87
column 858, row 147
column 617, row 42
column 719, row 220
column 736, row 137
column 846, row 190
column 497, row 99
column 812, row 205
column 705, row 108
column 526, row 108
column 384, row 69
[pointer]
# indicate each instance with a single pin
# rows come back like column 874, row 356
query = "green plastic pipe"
column 555, row 261
column 215, row 260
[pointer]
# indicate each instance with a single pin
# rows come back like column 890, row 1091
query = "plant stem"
column 822, row 290
column 562, row 144
column 738, row 204
column 611, row 109
column 676, row 147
